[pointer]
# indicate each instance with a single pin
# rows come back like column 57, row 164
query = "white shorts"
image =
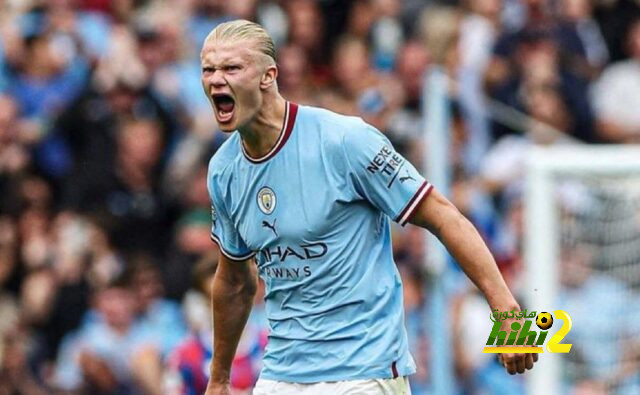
column 397, row 386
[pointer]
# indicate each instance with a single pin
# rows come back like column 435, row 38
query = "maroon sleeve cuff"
column 229, row 255
column 423, row 191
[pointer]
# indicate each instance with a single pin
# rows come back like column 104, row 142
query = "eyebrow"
column 226, row 61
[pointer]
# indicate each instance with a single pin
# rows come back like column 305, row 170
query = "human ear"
column 269, row 77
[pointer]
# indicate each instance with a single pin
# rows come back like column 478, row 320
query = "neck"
column 261, row 134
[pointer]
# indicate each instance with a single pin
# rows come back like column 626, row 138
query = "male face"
column 232, row 72
column 117, row 306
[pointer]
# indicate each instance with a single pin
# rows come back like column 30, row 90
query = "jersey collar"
column 290, row 112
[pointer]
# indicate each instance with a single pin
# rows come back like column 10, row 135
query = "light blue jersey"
column 315, row 214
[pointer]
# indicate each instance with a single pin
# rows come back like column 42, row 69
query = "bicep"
column 233, row 272
column 435, row 212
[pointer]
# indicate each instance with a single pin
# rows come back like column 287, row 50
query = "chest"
column 292, row 201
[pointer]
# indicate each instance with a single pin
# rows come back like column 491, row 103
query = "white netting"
column 599, row 274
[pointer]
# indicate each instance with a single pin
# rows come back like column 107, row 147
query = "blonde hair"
column 242, row 29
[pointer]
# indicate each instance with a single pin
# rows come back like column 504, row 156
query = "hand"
column 517, row 363
column 96, row 371
column 217, row 389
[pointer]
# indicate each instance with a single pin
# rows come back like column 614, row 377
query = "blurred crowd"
column 105, row 136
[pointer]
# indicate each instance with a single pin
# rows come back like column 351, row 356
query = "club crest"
column 266, row 200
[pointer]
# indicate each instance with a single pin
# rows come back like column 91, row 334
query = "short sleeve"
column 224, row 233
column 381, row 175
column 67, row 374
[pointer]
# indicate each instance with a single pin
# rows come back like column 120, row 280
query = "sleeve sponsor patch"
column 387, row 163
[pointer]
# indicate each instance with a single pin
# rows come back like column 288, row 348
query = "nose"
column 217, row 78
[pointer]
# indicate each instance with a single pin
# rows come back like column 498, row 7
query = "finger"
column 535, row 357
column 509, row 364
column 511, row 367
column 528, row 362
column 520, row 365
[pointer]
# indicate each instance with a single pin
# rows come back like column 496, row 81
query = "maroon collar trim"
column 290, row 112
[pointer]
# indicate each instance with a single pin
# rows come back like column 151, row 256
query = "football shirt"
column 315, row 213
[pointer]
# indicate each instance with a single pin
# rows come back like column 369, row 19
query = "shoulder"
column 328, row 121
column 614, row 80
column 337, row 130
column 225, row 156
column 220, row 168
column 619, row 70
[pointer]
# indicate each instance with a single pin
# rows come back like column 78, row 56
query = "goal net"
column 582, row 255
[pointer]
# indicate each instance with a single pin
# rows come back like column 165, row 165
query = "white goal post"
column 541, row 286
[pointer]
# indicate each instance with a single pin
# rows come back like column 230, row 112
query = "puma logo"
column 266, row 224
column 407, row 177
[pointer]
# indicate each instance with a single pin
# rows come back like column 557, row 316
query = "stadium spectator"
column 14, row 155
column 191, row 240
column 404, row 126
column 119, row 88
column 295, row 77
column 110, row 352
column 186, row 369
column 127, row 195
column 84, row 32
column 16, row 376
column 503, row 167
column 386, row 34
column 8, row 255
column 599, row 360
column 188, row 366
column 579, row 13
column 360, row 19
column 539, row 62
column 357, row 87
column 9, row 307
column 152, row 310
column 169, row 58
column 540, row 20
column 306, row 29
column 615, row 94
column 614, row 19
column 44, row 72
column 478, row 31
column 42, row 80
column 67, row 300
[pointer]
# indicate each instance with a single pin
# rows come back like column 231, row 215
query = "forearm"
column 464, row 243
column 614, row 132
column 472, row 254
column 232, row 299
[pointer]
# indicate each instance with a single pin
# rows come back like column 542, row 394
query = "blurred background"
column 105, row 136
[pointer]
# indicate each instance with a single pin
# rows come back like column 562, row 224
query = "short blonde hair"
column 242, row 29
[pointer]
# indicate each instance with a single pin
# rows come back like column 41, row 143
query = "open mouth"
column 224, row 105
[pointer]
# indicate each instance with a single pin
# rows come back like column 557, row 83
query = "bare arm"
column 234, row 286
column 614, row 132
column 463, row 242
